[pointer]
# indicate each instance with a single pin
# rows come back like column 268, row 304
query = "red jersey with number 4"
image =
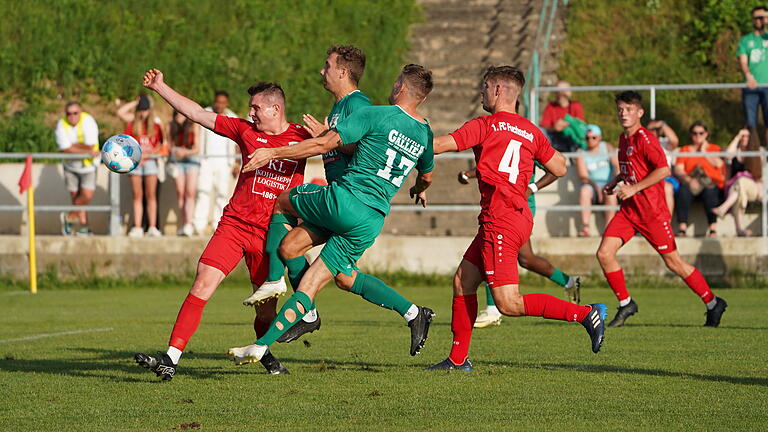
column 505, row 146
column 639, row 155
column 256, row 191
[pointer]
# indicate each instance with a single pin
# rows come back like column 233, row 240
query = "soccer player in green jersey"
column 391, row 141
column 341, row 74
column 527, row 258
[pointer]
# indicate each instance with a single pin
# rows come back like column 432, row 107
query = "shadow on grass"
column 638, row 371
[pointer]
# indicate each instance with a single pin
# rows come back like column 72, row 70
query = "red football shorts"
column 495, row 248
column 658, row 233
column 233, row 241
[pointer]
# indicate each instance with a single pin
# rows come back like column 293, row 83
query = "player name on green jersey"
column 390, row 143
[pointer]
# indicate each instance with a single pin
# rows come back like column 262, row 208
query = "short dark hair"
column 220, row 93
column 630, row 97
column 419, row 79
column 757, row 8
column 509, row 74
column 700, row 124
column 269, row 88
column 350, row 57
column 71, row 103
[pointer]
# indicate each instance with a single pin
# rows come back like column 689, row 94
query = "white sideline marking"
column 45, row 335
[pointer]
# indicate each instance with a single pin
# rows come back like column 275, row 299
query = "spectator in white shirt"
column 77, row 132
column 217, row 171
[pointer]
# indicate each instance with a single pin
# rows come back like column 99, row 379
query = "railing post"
column 114, row 202
column 653, row 103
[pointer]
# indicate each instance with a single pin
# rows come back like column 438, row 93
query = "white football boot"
column 266, row 291
column 247, row 354
column 488, row 318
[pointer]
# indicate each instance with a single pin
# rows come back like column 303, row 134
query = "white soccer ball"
column 121, row 153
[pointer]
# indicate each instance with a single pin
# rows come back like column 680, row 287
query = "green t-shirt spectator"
column 755, row 47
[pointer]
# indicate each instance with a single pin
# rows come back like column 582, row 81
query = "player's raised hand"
column 152, row 79
column 420, row 197
column 314, row 127
column 258, row 159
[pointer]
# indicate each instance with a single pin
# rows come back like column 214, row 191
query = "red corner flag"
column 25, row 181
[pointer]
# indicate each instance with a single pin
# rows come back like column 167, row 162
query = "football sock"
column 377, row 292
column 559, row 277
column 551, row 307
column 618, row 284
column 488, row 296
column 174, row 353
column 711, row 305
column 412, row 313
column 493, row 309
column 463, row 319
column 277, row 231
column 187, row 321
column 699, row 285
column 625, row 302
column 296, row 269
column 311, row 316
column 295, row 304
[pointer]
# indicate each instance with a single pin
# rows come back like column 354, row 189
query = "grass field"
column 662, row 371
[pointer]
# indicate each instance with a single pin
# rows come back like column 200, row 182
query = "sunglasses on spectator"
column 698, row 132
column 592, row 137
column 758, row 18
column 73, row 113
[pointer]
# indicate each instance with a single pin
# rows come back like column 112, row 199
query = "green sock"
column 489, row 296
column 559, row 277
column 275, row 235
column 378, row 293
column 274, row 333
column 296, row 269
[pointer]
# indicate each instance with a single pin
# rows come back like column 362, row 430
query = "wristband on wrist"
column 533, row 187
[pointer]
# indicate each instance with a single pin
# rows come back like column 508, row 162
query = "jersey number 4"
column 510, row 162
column 386, row 173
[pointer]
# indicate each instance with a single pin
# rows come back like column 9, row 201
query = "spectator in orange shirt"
column 701, row 176
column 553, row 119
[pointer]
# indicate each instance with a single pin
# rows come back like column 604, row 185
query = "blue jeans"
column 750, row 99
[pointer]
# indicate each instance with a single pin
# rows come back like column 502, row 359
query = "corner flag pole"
column 32, row 254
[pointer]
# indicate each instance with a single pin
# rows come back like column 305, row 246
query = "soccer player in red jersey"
column 505, row 146
column 242, row 230
column 642, row 169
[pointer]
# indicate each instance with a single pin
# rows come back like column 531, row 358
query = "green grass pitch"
column 662, row 371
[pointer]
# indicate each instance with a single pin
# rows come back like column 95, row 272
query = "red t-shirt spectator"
column 554, row 112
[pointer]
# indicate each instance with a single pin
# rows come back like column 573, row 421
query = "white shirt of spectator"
column 213, row 144
column 67, row 135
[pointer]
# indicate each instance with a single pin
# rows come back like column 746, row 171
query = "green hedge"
column 55, row 50
column 659, row 41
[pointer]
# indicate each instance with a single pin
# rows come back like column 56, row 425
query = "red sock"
column 187, row 321
column 551, row 307
column 699, row 285
column 462, row 321
column 618, row 284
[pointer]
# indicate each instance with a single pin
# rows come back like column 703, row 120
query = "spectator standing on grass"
column 669, row 141
column 744, row 181
column 556, row 116
column 141, row 123
column 77, row 132
column 752, row 52
column 184, row 165
column 595, row 166
column 700, row 176
column 217, row 168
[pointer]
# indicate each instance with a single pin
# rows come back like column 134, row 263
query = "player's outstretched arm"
column 445, row 143
column 153, row 80
column 305, row 149
column 418, row 191
column 556, row 165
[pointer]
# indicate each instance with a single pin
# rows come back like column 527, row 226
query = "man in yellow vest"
column 77, row 132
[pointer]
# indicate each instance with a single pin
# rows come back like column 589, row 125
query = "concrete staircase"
column 458, row 40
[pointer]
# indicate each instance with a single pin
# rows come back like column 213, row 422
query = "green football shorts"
column 353, row 226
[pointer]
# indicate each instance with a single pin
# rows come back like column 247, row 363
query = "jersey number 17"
column 386, row 173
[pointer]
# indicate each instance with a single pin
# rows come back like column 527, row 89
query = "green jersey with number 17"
column 390, row 143
column 334, row 161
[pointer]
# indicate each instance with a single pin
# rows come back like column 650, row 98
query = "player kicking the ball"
column 505, row 146
column 242, row 230
column 643, row 167
column 344, row 66
column 391, row 141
